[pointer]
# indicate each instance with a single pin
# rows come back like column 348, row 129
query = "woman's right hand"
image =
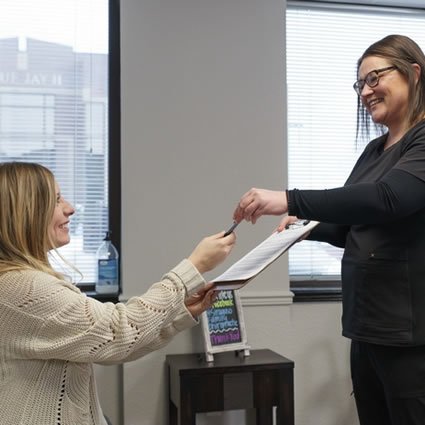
column 258, row 202
column 211, row 251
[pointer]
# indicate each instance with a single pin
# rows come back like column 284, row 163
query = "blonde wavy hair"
column 27, row 205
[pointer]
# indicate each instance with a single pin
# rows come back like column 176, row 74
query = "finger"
column 207, row 301
column 201, row 293
column 250, row 210
column 237, row 216
column 241, row 210
column 259, row 212
column 216, row 236
column 230, row 239
column 237, row 219
column 288, row 219
column 211, row 295
column 256, row 215
column 282, row 224
column 245, row 201
column 247, row 198
column 208, row 286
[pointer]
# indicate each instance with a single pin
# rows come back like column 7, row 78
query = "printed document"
column 253, row 263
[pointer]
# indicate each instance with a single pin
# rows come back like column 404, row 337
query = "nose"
column 366, row 90
column 69, row 209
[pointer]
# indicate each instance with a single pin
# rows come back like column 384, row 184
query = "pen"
column 232, row 227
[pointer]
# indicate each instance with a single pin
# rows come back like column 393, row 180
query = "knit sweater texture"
column 51, row 334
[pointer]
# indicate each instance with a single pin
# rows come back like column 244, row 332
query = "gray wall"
column 203, row 120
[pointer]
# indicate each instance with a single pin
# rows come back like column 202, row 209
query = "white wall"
column 203, row 120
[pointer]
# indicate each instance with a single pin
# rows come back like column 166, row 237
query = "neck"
column 395, row 133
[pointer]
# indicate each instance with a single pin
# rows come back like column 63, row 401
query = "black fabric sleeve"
column 397, row 195
column 333, row 234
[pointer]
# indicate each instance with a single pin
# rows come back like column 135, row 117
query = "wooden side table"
column 262, row 380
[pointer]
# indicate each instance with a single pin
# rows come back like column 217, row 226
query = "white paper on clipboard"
column 253, row 263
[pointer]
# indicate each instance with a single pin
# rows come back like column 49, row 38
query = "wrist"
column 197, row 264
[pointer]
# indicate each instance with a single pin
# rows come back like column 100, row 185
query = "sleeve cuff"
column 189, row 276
column 290, row 201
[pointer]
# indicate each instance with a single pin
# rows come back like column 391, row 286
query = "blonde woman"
column 51, row 333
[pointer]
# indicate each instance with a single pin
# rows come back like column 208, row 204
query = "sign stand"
column 224, row 327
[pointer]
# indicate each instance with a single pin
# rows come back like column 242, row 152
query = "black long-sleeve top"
column 379, row 218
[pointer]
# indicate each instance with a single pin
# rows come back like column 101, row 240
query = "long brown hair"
column 402, row 52
column 27, row 204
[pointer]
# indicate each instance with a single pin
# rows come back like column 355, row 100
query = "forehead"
column 371, row 63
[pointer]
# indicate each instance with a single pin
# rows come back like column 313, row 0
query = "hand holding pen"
column 231, row 229
column 211, row 251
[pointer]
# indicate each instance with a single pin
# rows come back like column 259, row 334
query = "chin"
column 65, row 243
column 61, row 243
column 377, row 119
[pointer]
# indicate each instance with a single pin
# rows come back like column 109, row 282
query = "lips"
column 374, row 102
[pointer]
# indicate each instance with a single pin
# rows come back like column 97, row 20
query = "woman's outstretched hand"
column 201, row 300
column 258, row 202
column 211, row 251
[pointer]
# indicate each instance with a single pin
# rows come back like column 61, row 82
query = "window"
column 324, row 42
column 57, row 59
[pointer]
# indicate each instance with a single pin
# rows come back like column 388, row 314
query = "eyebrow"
column 367, row 73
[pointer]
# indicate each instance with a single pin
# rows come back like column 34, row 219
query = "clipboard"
column 264, row 254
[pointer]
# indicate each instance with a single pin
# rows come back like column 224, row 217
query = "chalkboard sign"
column 223, row 325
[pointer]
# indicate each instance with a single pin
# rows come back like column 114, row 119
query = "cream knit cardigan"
column 51, row 333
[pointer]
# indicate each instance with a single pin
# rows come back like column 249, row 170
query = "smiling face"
column 58, row 228
column 388, row 101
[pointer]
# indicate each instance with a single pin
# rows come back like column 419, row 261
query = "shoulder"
column 26, row 276
column 412, row 144
column 415, row 135
column 31, row 284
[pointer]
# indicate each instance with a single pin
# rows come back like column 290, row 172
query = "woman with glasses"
column 51, row 333
column 378, row 217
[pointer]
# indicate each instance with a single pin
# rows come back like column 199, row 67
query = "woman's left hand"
column 287, row 220
column 201, row 300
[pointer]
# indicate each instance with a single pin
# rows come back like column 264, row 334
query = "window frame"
column 114, row 145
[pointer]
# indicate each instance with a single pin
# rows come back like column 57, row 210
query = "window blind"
column 324, row 42
column 54, row 108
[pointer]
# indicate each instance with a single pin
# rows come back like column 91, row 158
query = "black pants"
column 389, row 384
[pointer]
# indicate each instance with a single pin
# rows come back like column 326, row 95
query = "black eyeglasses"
column 372, row 79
